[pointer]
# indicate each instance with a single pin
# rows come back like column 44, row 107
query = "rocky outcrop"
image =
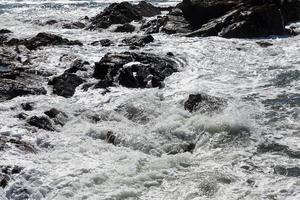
column 134, row 70
column 204, row 103
column 230, row 19
column 65, row 84
column 122, row 13
column 43, row 39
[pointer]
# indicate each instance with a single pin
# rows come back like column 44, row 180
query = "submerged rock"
column 77, row 65
column 27, row 106
column 65, row 84
column 57, row 116
column 41, row 122
column 139, row 41
column 10, row 89
column 204, row 103
column 6, row 143
column 74, row 25
column 287, row 171
column 122, row 13
column 104, row 43
column 6, row 173
column 175, row 22
column 127, row 28
column 270, row 147
column 43, row 39
column 134, row 70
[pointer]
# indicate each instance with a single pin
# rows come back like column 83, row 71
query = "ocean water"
column 262, row 86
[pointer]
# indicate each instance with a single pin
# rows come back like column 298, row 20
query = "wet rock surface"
column 41, row 122
column 10, row 89
column 229, row 19
column 134, row 70
column 138, row 41
column 103, row 42
column 59, row 117
column 43, row 39
column 122, row 13
column 8, row 142
column 65, row 84
column 204, row 103
column 125, row 28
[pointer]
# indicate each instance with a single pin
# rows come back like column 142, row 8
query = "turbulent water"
column 262, row 86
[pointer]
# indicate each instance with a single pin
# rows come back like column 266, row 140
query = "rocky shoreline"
column 134, row 68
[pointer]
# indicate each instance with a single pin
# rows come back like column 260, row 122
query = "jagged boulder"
column 122, row 13
column 65, row 84
column 134, row 70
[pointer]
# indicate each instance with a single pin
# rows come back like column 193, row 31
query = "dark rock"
column 4, row 35
column 6, row 143
column 74, row 25
column 21, row 116
column 173, row 149
column 273, row 147
column 134, row 70
column 122, row 13
column 175, row 23
column 6, row 173
column 65, row 84
column 41, row 122
column 264, row 44
column 139, row 41
column 51, row 22
column 57, row 116
column 199, row 12
column 154, row 25
column 246, row 19
column 77, row 65
column 4, row 31
column 204, row 103
column 27, row 106
column 104, row 43
column 43, row 39
column 104, row 84
column 111, row 138
column 10, row 89
column 128, row 28
column 287, row 171
column 147, row 10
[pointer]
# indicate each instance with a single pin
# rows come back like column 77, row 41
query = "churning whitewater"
column 121, row 142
